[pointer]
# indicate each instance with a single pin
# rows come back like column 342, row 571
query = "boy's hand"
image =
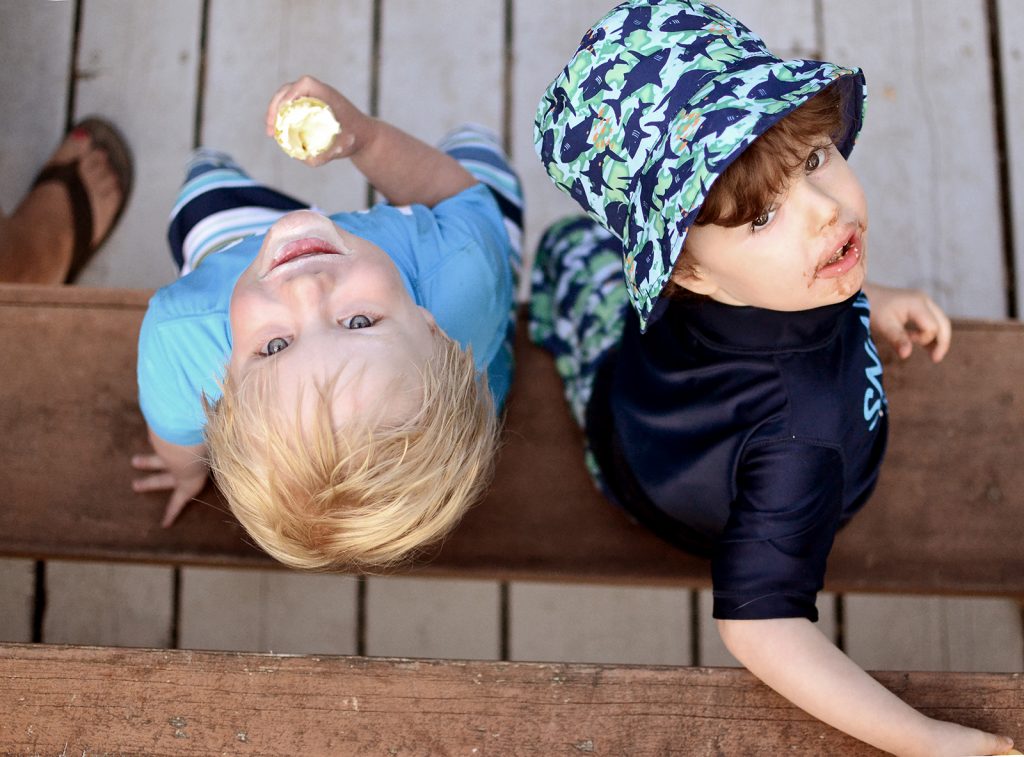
column 170, row 467
column 183, row 488
column 356, row 126
column 907, row 316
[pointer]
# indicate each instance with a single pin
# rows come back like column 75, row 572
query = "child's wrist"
column 366, row 130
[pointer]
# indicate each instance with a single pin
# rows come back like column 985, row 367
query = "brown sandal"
column 107, row 138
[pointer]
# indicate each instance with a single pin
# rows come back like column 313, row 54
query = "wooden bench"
column 948, row 516
column 82, row 700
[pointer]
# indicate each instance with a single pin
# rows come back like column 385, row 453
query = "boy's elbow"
column 735, row 635
column 744, row 638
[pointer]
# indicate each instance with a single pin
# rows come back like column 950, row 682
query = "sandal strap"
column 81, row 212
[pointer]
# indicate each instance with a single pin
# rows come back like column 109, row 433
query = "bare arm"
column 180, row 469
column 792, row 657
column 399, row 166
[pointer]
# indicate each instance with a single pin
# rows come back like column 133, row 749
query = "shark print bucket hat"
column 659, row 99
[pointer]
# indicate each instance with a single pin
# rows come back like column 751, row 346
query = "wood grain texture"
column 254, row 48
column 417, row 617
column 267, row 611
column 544, row 37
column 950, row 490
column 113, row 605
column 927, row 155
column 35, row 59
column 786, row 26
column 160, row 702
column 1011, row 58
column 609, row 624
column 441, row 64
column 934, row 633
column 138, row 66
column 17, row 599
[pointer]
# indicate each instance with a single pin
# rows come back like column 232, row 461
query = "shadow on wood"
column 948, row 516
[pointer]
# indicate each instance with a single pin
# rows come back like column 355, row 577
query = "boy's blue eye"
column 275, row 345
column 358, row 322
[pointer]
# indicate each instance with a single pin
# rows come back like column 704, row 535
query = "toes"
column 74, row 146
column 102, row 186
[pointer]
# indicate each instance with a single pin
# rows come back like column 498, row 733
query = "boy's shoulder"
column 470, row 210
column 206, row 291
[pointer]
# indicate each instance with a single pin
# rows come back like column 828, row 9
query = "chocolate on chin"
column 305, row 127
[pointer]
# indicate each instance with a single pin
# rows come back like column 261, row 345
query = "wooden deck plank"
column 416, row 617
column 35, row 49
column 786, row 26
column 932, row 191
column 109, row 604
column 901, row 541
column 253, row 49
column 931, row 633
column 544, row 37
column 441, row 64
column 620, row 625
column 161, row 702
column 17, row 598
column 138, row 66
column 267, row 611
column 1011, row 58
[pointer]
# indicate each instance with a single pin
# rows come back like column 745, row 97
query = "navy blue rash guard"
column 747, row 435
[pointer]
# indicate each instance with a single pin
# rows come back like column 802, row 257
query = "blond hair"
column 357, row 497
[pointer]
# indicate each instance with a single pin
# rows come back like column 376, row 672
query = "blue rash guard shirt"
column 747, row 435
column 453, row 259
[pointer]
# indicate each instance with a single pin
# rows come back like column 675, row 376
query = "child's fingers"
column 148, row 462
column 944, row 332
column 157, row 482
column 932, row 329
column 892, row 329
column 174, row 508
column 275, row 104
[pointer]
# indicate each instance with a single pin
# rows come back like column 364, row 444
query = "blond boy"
column 339, row 373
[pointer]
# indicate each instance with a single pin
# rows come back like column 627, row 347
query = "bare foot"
column 98, row 177
column 37, row 240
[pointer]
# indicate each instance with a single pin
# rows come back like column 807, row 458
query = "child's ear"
column 691, row 277
column 428, row 317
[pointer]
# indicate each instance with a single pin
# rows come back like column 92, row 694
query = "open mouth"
column 843, row 259
column 840, row 253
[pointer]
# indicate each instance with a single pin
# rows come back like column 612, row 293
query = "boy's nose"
column 308, row 290
column 825, row 208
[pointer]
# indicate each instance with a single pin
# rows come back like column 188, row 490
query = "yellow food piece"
column 305, row 127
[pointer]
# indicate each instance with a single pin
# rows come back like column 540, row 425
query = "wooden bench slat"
column 69, row 700
column 948, row 515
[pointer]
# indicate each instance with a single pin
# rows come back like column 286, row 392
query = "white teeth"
column 839, row 254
